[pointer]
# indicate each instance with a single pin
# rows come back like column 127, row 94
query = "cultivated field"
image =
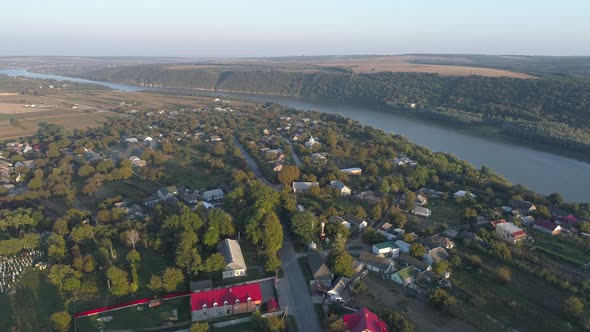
column 403, row 64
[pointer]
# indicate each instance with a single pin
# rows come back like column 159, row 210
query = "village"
column 356, row 220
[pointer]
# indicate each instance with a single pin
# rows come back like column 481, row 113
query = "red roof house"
column 225, row 301
column 364, row 321
column 567, row 221
column 547, row 226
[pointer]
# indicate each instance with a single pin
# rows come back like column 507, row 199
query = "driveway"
column 252, row 164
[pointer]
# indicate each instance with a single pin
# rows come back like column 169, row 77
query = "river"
column 542, row 171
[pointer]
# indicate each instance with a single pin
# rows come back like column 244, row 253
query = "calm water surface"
column 541, row 171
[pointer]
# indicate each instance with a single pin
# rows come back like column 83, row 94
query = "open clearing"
column 401, row 64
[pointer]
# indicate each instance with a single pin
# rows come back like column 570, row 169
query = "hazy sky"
column 301, row 27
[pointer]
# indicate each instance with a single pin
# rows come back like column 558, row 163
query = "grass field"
column 30, row 308
column 141, row 317
column 526, row 303
column 562, row 245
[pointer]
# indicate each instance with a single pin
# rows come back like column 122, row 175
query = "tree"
column 288, row 174
column 60, row 321
column 341, row 262
column 397, row 217
column 59, row 273
column 396, row 321
column 371, row 236
column 470, row 215
column 303, row 225
column 200, row 327
column 275, row 324
column 504, row 275
column 440, row 267
column 410, row 200
column 119, row 281
column 211, row 236
column 214, row 263
column 272, row 261
column 133, row 257
column 573, row 307
column 272, row 232
column 417, row 250
column 584, row 226
column 218, row 150
column 172, row 279
column 441, row 299
column 155, row 283
column 132, row 236
column 335, row 324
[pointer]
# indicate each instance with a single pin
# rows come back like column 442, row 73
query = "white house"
column 311, row 143
column 339, row 220
column 167, row 192
column 421, row 211
column 352, row 171
column 509, row 232
column 387, row 249
column 339, row 291
column 212, row 195
column 404, row 247
column 235, row 266
column 303, row 187
column 375, row 263
column 341, row 187
column 436, row 255
column 359, row 223
column 462, row 194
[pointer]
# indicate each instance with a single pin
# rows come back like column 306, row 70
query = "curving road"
column 294, row 293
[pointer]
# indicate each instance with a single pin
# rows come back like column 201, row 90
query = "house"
column 311, row 143
column 341, row 187
column 436, row 255
column 388, row 249
column 357, row 222
column 527, row 220
column 167, row 192
column 387, row 227
column 546, row 226
column 566, row 221
column 339, row 220
column 375, row 263
column 364, row 321
column 557, row 212
column 151, row 201
column 190, row 198
column 421, row 211
column 131, row 140
column 278, row 167
column 524, row 207
column 303, row 187
column 510, row 233
column 414, row 262
column 319, row 269
column 387, row 235
column 421, row 200
column 436, row 241
column 339, row 291
column 398, row 232
column 137, row 162
column 212, row 195
column 404, row 276
column 235, row 266
column 226, row 301
column 312, row 246
column 404, row 247
column 463, row 194
column 352, row 171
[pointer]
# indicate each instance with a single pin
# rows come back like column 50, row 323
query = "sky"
column 254, row 28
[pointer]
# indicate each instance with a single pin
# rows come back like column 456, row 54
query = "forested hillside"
column 549, row 110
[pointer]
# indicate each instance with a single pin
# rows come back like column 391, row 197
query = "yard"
column 174, row 313
column 30, row 308
column 562, row 246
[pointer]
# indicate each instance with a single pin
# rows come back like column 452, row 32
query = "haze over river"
column 544, row 172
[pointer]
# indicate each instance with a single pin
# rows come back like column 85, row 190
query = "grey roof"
column 340, row 286
column 336, row 219
column 414, row 262
column 304, row 185
column 210, row 194
column 522, row 205
column 201, row 285
column 351, row 218
column 438, row 254
column 232, row 253
column 338, row 185
column 379, row 262
column 317, row 264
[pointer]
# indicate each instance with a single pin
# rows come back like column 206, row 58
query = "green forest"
column 549, row 110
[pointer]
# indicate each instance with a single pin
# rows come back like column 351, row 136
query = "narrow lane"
column 294, row 294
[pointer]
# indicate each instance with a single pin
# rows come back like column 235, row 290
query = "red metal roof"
column 364, row 320
column 545, row 224
column 272, row 305
column 519, row 233
column 229, row 294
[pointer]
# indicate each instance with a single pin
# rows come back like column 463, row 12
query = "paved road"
column 252, row 164
column 293, row 154
column 294, row 294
